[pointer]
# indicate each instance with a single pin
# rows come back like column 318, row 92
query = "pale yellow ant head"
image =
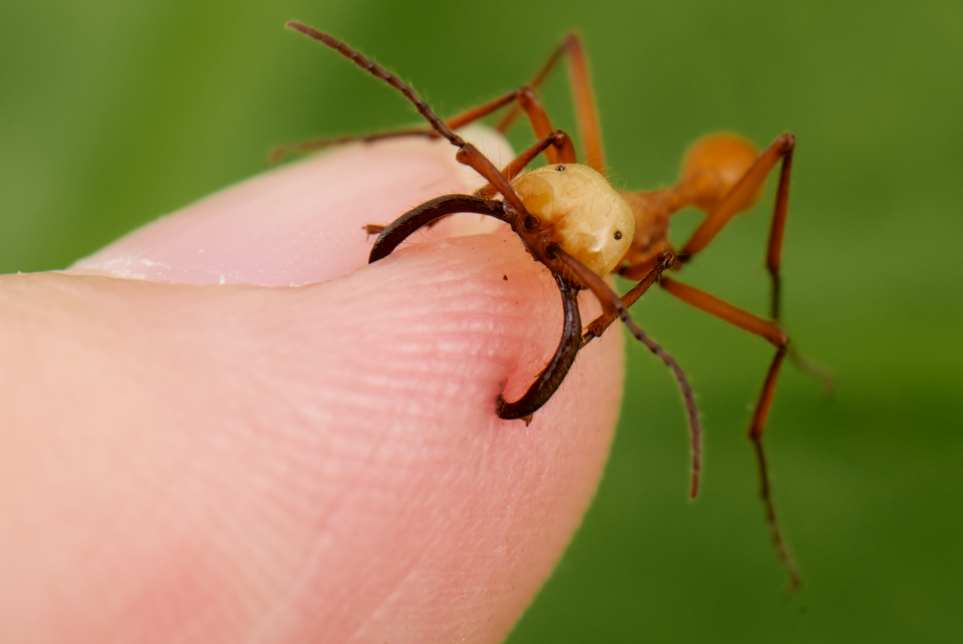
column 593, row 223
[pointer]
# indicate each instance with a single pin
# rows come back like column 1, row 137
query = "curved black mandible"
column 551, row 377
column 402, row 227
column 549, row 380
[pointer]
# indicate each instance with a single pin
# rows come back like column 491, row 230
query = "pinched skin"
column 592, row 221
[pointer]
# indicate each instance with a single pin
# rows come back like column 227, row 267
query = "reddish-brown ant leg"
column 755, row 433
column 777, row 229
column 743, row 193
column 526, row 100
column 467, row 153
column 281, row 151
column 611, row 302
column 584, row 100
column 725, row 311
column 523, row 97
column 557, row 139
column 778, row 338
column 602, row 322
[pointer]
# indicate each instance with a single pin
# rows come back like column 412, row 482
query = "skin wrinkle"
column 297, row 587
column 334, row 510
column 334, row 516
column 408, row 573
column 390, row 594
column 325, row 540
column 412, row 574
column 139, row 470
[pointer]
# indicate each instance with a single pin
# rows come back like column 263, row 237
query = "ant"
column 571, row 220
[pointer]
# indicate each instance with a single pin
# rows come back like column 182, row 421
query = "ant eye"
column 530, row 222
column 618, row 234
column 560, row 168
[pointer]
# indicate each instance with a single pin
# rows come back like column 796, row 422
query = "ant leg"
column 585, row 112
column 755, row 434
column 778, row 338
column 598, row 326
column 526, row 100
column 773, row 264
column 611, row 303
column 778, row 228
column 551, row 377
column 812, row 368
column 467, row 153
column 282, row 151
column 734, row 201
column 523, row 97
column 743, row 193
column 731, row 314
column 557, row 139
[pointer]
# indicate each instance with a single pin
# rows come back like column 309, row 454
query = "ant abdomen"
column 713, row 165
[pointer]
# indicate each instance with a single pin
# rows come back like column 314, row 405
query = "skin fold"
column 227, row 427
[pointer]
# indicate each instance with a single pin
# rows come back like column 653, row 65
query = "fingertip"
column 300, row 223
column 324, row 461
column 495, row 502
column 344, row 431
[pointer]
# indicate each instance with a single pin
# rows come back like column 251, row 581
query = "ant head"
column 589, row 219
column 715, row 164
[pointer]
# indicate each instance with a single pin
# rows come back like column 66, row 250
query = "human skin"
column 257, row 437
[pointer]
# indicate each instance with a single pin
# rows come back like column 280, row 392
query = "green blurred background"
column 112, row 113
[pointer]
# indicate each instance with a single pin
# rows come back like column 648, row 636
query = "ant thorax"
column 651, row 211
column 591, row 220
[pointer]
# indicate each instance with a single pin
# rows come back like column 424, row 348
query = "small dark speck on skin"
column 505, row 277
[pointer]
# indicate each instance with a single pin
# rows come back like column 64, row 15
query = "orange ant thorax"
column 652, row 210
